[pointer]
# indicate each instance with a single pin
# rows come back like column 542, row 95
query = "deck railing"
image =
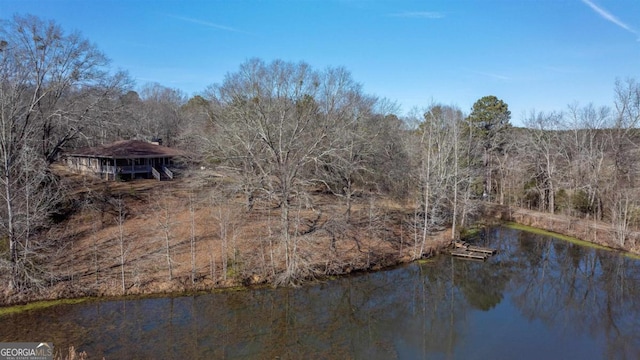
column 168, row 172
column 126, row 169
column 155, row 173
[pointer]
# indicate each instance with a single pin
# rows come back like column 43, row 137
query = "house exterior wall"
column 84, row 165
column 110, row 169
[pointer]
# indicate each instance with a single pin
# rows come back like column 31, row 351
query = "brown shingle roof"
column 128, row 149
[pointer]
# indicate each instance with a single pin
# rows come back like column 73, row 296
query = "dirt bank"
column 144, row 237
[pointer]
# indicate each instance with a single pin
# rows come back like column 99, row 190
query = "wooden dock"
column 466, row 251
column 482, row 250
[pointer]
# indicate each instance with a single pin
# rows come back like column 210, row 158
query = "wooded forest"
column 286, row 129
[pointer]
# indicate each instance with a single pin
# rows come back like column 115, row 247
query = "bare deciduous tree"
column 273, row 121
column 435, row 151
column 52, row 86
column 544, row 151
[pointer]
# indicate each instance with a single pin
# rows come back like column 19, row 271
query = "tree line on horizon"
column 286, row 127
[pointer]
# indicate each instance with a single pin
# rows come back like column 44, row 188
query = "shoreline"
column 35, row 305
column 436, row 246
column 585, row 231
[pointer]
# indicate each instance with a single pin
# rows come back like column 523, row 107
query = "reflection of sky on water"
column 539, row 298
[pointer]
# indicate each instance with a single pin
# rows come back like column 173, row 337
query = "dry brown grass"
column 247, row 242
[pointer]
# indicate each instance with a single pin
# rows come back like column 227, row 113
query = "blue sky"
column 533, row 54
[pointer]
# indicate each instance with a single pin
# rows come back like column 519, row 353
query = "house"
column 126, row 159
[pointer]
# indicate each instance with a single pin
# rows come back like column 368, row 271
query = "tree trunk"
column 552, row 197
column 426, row 194
column 455, row 185
column 13, row 249
column 167, row 241
column 193, row 239
column 286, row 238
column 487, row 175
column 348, row 196
column 121, row 240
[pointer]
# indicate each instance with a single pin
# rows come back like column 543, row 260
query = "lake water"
column 539, row 298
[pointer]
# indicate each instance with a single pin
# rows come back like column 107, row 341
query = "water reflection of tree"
column 485, row 282
column 411, row 312
column 415, row 312
column 581, row 290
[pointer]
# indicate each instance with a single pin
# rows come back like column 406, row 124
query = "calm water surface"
column 538, row 298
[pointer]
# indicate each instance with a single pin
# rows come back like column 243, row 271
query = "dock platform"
column 466, row 251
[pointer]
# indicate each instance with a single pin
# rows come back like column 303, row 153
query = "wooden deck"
column 466, row 251
column 469, row 254
column 482, row 250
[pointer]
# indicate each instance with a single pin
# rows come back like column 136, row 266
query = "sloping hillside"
column 144, row 236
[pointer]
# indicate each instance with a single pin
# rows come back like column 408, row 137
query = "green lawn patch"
column 38, row 305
